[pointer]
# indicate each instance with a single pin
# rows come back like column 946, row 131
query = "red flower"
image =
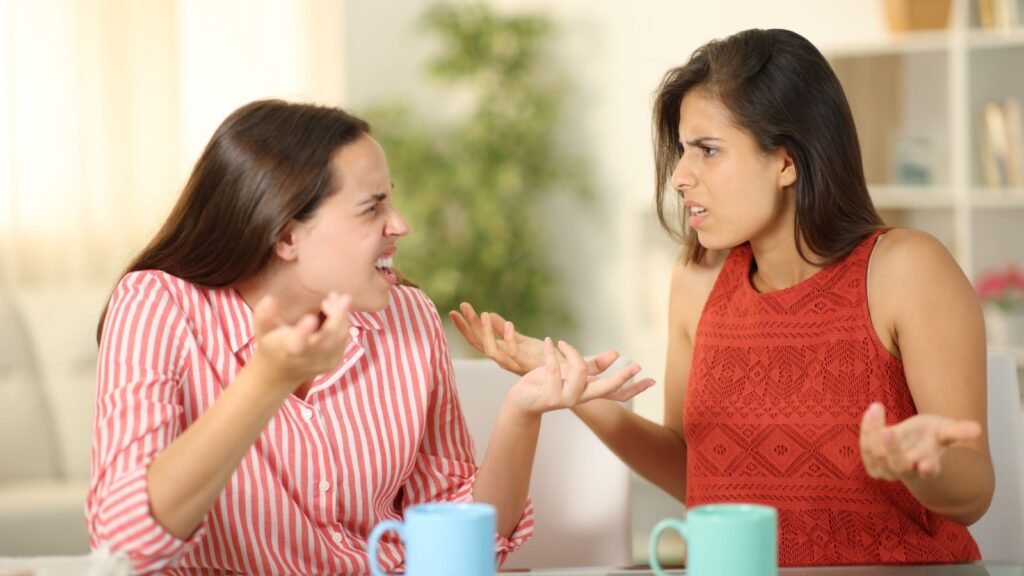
column 1002, row 288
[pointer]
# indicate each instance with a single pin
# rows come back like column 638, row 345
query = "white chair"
column 1000, row 532
column 580, row 489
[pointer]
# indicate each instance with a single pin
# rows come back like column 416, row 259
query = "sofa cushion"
column 27, row 441
column 43, row 517
column 62, row 323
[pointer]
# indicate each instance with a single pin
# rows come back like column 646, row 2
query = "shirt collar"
column 367, row 320
column 237, row 317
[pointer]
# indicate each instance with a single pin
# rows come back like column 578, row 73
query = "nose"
column 683, row 177
column 396, row 224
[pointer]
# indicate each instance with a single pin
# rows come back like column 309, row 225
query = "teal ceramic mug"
column 442, row 539
column 724, row 540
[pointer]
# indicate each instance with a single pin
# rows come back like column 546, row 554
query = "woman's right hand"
column 513, row 351
column 295, row 354
column 565, row 381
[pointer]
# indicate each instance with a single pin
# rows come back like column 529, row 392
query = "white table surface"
column 981, row 569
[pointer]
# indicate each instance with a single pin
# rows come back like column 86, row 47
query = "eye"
column 709, row 151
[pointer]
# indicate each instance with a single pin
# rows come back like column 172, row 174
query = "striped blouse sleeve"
column 445, row 468
column 138, row 414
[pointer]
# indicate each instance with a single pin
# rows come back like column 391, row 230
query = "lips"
column 698, row 214
column 383, row 264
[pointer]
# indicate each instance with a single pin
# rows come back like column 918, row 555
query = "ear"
column 285, row 247
column 787, row 174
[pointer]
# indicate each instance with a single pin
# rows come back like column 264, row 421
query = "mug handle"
column 374, row 542
column 652, row 544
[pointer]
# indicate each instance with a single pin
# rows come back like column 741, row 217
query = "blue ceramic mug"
column 725, row 540
column 442, row 539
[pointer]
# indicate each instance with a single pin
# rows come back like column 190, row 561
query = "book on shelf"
column 1015, row 141
column 986, row 14
column 1010, row 16
column 1002, row 144
column 998, row 14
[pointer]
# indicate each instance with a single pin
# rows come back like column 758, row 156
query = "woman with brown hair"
column 268, row 387
column 809, row 367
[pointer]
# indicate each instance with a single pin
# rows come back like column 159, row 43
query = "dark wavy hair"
column 779, row 89
column 268, row 164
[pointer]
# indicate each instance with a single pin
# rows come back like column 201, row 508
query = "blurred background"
column 518, row 133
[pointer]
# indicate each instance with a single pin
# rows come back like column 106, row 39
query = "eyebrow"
column 374, row 199
column 701, row 140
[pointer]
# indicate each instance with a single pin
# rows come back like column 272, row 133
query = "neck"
column 292, row 304
column 778, row 266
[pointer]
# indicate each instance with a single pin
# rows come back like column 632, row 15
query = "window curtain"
column 106, row 104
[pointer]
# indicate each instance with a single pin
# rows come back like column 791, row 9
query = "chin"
column 716, row 242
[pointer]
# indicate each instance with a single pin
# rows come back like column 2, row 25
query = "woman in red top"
column 818, row 362
column 268, row 390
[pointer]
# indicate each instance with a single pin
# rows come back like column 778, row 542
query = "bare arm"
column 927, row 313
column 504, row 476
column 655, row 451
column 658, row 451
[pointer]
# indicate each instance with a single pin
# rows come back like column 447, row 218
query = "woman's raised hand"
column 297, row 353
column 566, row 381
column 912, row 448
column 512, row 351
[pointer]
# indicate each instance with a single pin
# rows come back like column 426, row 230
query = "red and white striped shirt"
column 382, row 432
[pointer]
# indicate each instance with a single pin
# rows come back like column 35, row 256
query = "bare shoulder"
column 694, row 274
column 906, row 259
column 691, row 285
column 911, row 276
column 693, row 279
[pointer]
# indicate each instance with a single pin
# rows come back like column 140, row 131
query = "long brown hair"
column 267, row 164
column 779, row 89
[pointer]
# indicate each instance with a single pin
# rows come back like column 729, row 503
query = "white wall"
column 615, row 258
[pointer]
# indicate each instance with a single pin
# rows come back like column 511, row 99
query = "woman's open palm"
column 512, row 351
column 566, row 382
column 913, row 447
column 517, row 352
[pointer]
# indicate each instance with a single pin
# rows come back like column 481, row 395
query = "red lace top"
column 777, row 389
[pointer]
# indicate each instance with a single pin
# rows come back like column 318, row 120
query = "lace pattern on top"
column 778, row 385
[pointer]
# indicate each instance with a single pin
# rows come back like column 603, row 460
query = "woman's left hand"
column 565, row 383
column 912, row 448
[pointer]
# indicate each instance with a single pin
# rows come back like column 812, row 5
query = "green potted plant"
column 471, row 187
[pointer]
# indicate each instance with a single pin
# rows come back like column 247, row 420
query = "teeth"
column 698, row 211
column 383, row 262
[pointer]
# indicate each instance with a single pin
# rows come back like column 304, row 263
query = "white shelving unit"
column 925, row 91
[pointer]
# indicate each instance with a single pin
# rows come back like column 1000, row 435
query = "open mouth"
column 383, row 266
column 697, row 215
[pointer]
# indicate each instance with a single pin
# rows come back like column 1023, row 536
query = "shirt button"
column 325, row 486
column 337, row 537
column 307, row 414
